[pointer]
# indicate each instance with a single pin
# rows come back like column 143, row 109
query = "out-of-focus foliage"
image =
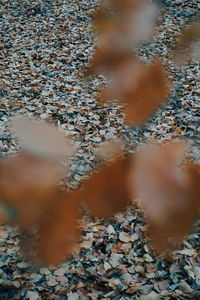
column 159, row 178
column 187, row 47
column 40, row 138
column 141, row 88
column 121, row 26
column 27, row 184
column 58, row 231
column 168, row 191
column 106, row 192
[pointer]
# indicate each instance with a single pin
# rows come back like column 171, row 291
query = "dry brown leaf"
column 141, row 88
column 167, row 192
column 40, row 138
column 187, row 48
column 106, row 192
column 27, row 184
column 59, row 231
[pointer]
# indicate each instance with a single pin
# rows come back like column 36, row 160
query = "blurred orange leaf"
column 58, row 231
column 120, row 26
column 106, row 192
column 27, row 184
column 141, row 88
column 40, row 138
column 188, row 44
column 167, row 192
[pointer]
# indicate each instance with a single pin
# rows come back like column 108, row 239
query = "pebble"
column 185, row 287
column 60, row 272
column 51, row 281
column 32, row 295
column 124, row 237
column 72, row 296
column 115, row 259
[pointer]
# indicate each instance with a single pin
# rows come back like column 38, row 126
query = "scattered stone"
column 32, row 295
column 184, row 287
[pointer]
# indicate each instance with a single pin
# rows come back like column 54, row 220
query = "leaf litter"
column 79, row 290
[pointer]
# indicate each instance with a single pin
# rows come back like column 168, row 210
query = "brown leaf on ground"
column 27, row 184
column 58, row 231
column 141, row 88
column 106, row 192
column 167, row 192
column 187, row 48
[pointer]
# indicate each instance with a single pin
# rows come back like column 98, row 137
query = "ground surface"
column 45, row 46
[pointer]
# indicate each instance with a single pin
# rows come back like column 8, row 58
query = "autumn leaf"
column 58, row 231
column 187, row 47
column 165, row 237
column 110, row 150
column 120, row 26
column 167, row 191
column 141, row 88
column 106, row 192
column 27, row 184
column 40, row 138
column 105, row 197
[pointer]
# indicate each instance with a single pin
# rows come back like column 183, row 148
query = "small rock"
column 188, row 252
column 184, row 287
column 32, row 295
column 51, row 281
column 110, row 229
column 23, row 265
column 62, row 279
column 115, row 259
column 124, row 237
column 35, row 277
column 4, row 235
column 151, row 296
column 72, row 296
column 86, row 245
column 2, row 242
column 148, row 258
column 60, row 272
column 44, row 271
column 107, row 266
column 139, row 269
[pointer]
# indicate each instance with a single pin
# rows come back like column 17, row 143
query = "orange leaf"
column 167, row 192
column 121, row 25
column 27, row 184
column 59, row 231
column 106, row 192
column 188, row 44
column 141, row 88
column 40, row 138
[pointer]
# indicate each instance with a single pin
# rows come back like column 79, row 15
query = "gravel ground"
column 45, row 46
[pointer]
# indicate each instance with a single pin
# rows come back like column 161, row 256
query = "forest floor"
column 45, row 47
